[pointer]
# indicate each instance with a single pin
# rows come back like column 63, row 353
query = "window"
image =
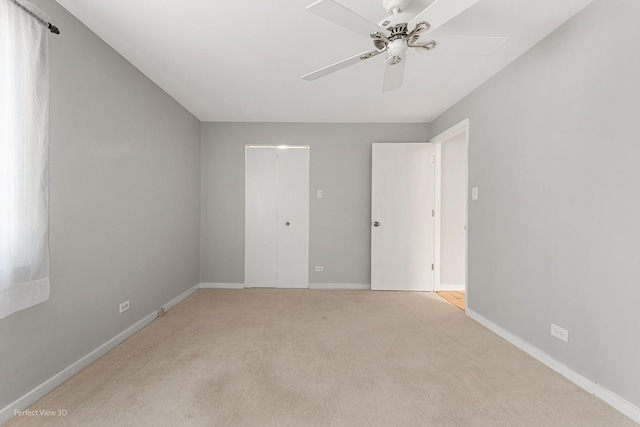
column 24, row 174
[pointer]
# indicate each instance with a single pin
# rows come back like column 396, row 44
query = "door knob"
column 287, row 223
column 376, row 223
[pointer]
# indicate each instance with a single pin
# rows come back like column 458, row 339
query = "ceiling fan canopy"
column 398, row 32
column 394, row 6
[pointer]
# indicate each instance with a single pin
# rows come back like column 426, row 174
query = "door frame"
column 442, row 138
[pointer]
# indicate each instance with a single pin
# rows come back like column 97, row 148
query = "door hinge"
column 432, row 267
column 433, row 159
column 433, row 213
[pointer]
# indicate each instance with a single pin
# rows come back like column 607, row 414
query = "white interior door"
column 261, row 214
column 402, row 202
column 293, row 218
column 276, row 217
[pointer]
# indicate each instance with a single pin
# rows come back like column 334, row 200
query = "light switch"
column 319, row 194
column 474, row 193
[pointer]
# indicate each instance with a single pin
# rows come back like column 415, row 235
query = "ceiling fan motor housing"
column 397, row 22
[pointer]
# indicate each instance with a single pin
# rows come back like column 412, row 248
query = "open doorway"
column 451, row 196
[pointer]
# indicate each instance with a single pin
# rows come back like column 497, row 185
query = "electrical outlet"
column 560, row 333
column 319, row 194
column 319, row 268
column 124, row 306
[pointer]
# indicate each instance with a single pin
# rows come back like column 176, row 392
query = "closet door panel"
column 293, row 218
column 261, row 183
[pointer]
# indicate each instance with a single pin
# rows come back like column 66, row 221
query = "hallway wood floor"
column 454, row 297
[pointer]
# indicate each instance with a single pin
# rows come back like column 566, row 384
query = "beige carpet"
column 318, row 358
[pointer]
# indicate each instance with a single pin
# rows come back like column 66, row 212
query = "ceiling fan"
column 400, row 31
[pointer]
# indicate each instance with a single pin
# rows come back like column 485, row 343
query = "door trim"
column 438, row 140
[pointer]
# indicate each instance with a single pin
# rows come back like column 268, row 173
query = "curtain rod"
column 49, row 25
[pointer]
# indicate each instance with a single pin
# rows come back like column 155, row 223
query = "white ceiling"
column 242, row 60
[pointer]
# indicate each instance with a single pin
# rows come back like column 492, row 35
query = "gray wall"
column 554, row 236
column 339, row 222
column 125, row 189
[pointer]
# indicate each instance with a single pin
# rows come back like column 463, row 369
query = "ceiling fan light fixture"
column 397, row 47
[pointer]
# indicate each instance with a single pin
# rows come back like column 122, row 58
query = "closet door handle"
column 376, row 224
column 287, row 223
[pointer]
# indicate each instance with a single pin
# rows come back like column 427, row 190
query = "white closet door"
column 261, row 183
column 402, row 232
column 293, row 218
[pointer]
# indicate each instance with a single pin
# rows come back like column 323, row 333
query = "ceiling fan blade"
column 440, row 12
column 339, row 14
column 340, row 65
column 393, row 73
column 464, row 45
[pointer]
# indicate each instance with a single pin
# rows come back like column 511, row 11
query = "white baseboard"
column 342, row 286
column 445, row 288
column 345, row 286
column 40, row 391
column 206, row 285
column 168, row 306
column 628, row 409
column 590, row 386
column 46, row 387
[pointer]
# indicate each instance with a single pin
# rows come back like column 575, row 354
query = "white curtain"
column 24, row 173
